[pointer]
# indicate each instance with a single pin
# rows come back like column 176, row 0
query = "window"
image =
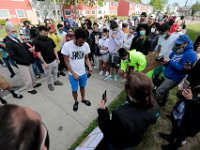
column 54, row 12
column 20, row 13
column 4, row 13
column 101, row 11
column 67, row 12
column 93, row 12
column 87, row 12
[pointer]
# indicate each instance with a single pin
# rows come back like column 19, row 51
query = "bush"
column 2, row 22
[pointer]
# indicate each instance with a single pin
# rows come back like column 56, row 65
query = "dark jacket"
column 17, row 52
column 189, row 125
column 128, row 123
column 141, row 45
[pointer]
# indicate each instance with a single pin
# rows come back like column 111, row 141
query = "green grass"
column 193, row 30
column 151, row 140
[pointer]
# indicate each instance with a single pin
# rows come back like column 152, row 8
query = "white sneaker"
column 101, row 73
column 183, row 142
column 109, row 77
column 107, row 73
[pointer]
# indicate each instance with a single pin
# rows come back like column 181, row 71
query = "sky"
column 181, row 2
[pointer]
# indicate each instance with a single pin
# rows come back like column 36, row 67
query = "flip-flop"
column 75, row 106
column 86, row 102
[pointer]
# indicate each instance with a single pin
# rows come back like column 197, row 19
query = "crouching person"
column 131, row 120
column 131, row 61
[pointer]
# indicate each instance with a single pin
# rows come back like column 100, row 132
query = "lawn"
column 151, row 140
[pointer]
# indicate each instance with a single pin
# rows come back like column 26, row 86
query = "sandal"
column 86, row 102
column 75, row 106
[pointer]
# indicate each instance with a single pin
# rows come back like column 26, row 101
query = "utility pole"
column 186, row 3
column 75, row 9
column 55, row 5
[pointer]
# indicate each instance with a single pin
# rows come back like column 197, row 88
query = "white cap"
column 9, row 26
column 153, row 16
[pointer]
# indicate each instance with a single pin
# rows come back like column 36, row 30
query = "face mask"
column 104, row 37
column 179, row 50
column 127, row 60
column 153, row 30
column 164, row 36
column 114, row 32
column 44, row 37
column 60, row 31
column 14, row 35
column 142, row 33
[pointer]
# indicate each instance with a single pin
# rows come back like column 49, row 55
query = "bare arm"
column 42, row 60
column 87, row 61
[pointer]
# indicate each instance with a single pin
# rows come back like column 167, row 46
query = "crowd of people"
column 121, row 48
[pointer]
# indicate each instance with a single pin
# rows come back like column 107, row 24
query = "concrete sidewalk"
column 55, row 107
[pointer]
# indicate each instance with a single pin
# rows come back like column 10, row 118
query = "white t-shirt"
column 166, row 45
column 103, row 43
column 63, row 36
column 76, row 56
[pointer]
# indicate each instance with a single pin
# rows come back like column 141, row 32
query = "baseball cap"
column 182, row 39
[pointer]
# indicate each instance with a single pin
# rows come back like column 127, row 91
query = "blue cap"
column 182, row 39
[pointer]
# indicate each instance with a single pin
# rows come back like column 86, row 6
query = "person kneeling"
column 131, row 61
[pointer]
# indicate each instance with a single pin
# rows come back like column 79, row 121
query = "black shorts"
column 114, row 60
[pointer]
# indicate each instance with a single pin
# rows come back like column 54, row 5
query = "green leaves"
column 195, row 8
column 157, row 4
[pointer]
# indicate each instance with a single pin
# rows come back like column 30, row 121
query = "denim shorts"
column 82, row 80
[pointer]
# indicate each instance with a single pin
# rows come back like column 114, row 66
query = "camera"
column 160, row 58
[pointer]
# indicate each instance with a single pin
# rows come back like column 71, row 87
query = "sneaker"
column 75, row 106
column 58, row 83
column 101, row 73
column 17, row 95
column 50, row 87
column 62, row 73
column 109, row 77
column 107, row 73
column 12, row 75
column 183, row 143
column 115, row 77
column 32, row 92
column 37, row 85
column 37, row 76
column 3, row 101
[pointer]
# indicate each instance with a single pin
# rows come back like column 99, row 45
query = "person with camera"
column 131, row 61
column 22, row 129
column 130, row 120
column 183, row 53
column 184, row 118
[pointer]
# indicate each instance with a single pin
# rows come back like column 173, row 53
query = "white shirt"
column 103, row 43
column 63, row 36
column 76, row 56
column 127, row 41
column 166, row 45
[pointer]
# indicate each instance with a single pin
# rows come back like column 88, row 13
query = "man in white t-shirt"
column 166, row 41
column 75, row 56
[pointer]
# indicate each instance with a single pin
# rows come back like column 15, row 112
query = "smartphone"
column 104, row 96
column 186, row 84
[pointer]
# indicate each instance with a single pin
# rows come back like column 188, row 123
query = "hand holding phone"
column 104, row 96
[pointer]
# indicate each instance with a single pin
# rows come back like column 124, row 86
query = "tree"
column 195, row 8
column 157, row 4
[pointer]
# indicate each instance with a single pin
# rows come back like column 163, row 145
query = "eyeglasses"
column 44, row 137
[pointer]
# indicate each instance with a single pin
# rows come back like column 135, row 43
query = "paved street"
column 55, row 107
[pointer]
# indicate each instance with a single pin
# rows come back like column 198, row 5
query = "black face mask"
column 44, row 37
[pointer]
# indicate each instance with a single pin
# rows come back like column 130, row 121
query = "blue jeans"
column 37, row 67
column 9, row 61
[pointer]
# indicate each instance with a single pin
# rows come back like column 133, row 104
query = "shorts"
column 104, row 58
column 81, row 81
column 114, row 60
